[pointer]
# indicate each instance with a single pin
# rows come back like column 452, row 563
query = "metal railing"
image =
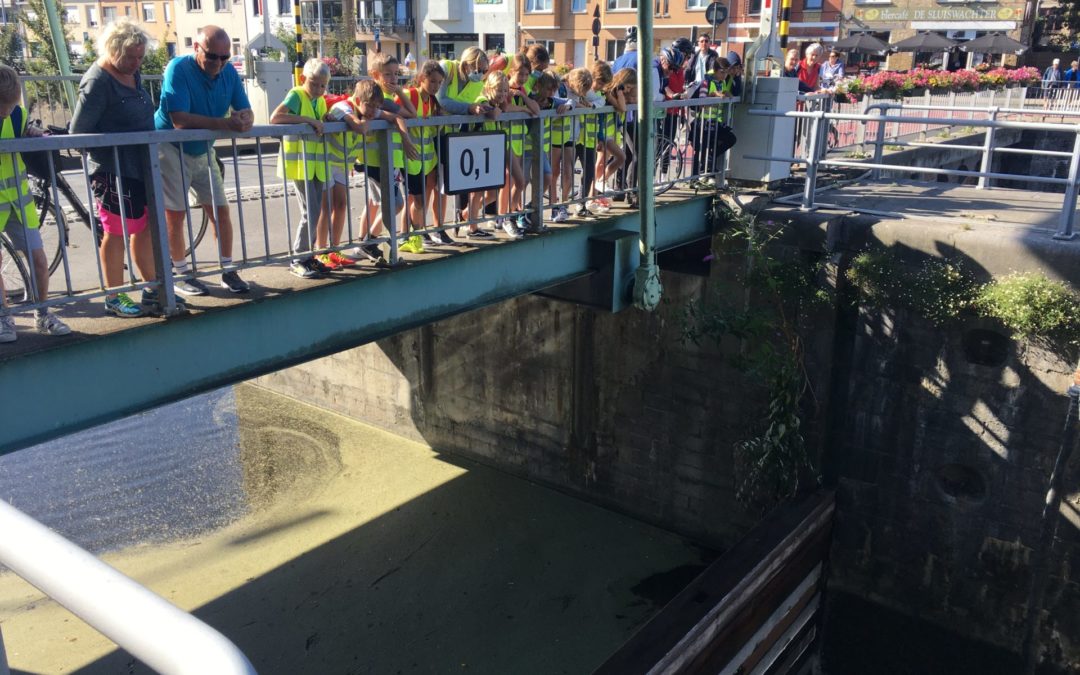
column 820, row 120
column 955, row 109
column 372, row 220
column 159, row 634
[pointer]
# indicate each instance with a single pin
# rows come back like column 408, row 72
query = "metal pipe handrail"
column 152, row 629
column 817, row 118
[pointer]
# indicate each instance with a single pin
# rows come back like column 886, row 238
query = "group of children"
column 319, row 166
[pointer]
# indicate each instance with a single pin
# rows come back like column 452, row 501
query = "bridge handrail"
column 152, row 629
column 821, row 119
column 380, row 140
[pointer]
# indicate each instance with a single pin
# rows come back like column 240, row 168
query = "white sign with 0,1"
column 474, row 161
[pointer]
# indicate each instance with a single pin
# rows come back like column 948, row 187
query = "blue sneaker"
column 121, row 305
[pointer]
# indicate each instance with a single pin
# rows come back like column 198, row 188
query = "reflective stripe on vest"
column 14, row 192
column 304, row 158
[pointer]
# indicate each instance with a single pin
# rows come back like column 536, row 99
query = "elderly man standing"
column 196, row 93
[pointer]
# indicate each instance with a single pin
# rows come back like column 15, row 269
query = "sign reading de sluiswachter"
column 939, row 14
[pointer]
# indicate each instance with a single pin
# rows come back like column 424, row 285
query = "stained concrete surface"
column 367, row 553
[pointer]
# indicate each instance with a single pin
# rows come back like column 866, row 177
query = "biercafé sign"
column 939, row 14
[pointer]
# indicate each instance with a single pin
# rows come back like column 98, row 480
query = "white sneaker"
column 7, row 328
column 490, row 225
column 50, row 324
column 561, row 215
column 599, row 187
column 509, row 228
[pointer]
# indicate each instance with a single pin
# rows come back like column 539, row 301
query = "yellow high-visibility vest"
column 423, row 137
column 304, row 158
column 14, row 192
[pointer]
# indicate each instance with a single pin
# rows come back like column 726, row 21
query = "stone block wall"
column 943, row 467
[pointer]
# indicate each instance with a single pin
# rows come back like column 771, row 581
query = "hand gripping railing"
column 166, row 638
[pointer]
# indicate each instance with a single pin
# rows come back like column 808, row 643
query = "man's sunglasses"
column 215, row 57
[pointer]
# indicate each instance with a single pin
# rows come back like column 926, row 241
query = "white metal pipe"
column 159, row 634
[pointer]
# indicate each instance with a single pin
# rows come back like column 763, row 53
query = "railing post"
column 536, row 170
column 988, row 152
column 812, row 160
column 860, row 131
column 159, row 232
column 879, row 145
column 925, row 125
column 386, row 187
column 1068, row 206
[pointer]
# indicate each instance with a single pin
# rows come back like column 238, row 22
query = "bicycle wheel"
column 13, row 272
column 49, row 227
column 667, row 165
column 199, row 227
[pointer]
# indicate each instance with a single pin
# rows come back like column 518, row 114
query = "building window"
column 148, row 12
column 578, row 6
column 168, row 11
column 91, row 16
column 538, row 5
column 108, row 14
column 812, row 5
column 549, row 45
column 236, row 47
column 616, row 5
column 698, row 4
column 755, row 7
column 615, row 48
column 71, row 14
column 194, row 5
column 284, row 7
column 221, row 5
column 187, row 42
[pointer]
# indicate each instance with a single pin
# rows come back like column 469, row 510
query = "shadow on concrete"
column 484, row 573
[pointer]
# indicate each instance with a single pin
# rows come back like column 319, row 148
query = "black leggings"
column 710, row 140
column 587, row 157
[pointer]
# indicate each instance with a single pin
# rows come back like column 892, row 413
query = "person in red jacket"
column 810, row 67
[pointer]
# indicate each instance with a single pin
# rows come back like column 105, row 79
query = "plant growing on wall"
column 1030, row 305
column 773, row 462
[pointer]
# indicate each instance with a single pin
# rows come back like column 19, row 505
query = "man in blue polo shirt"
column 197, row 91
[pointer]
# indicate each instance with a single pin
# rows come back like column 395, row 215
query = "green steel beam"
column 58, row 391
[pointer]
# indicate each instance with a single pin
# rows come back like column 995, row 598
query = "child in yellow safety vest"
column 566, row 140
column 304, row 160
column 384, row 69
column 609, row 153
column 497, row 94
column 521, row 82
column 709, row 134
column 422, row 173
column 18, row 215
column 544, row 95
column 345, row 148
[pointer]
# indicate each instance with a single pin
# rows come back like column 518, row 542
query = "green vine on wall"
column 773, row 464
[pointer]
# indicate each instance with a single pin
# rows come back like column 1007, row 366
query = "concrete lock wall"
column 940, row 446
column 614, row 408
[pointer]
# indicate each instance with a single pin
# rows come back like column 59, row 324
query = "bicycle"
column 14, row 273
column 40, row 183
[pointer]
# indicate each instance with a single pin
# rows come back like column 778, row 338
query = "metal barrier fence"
column 819, row 122
column 371, row 218
column 850, row 136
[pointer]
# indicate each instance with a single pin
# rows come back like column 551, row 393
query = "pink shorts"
column 113, row 225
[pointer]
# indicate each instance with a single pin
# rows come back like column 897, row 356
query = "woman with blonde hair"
column 112, row 100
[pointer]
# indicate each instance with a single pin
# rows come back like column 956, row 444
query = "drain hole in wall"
column 986, row 347
column 961, row 482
